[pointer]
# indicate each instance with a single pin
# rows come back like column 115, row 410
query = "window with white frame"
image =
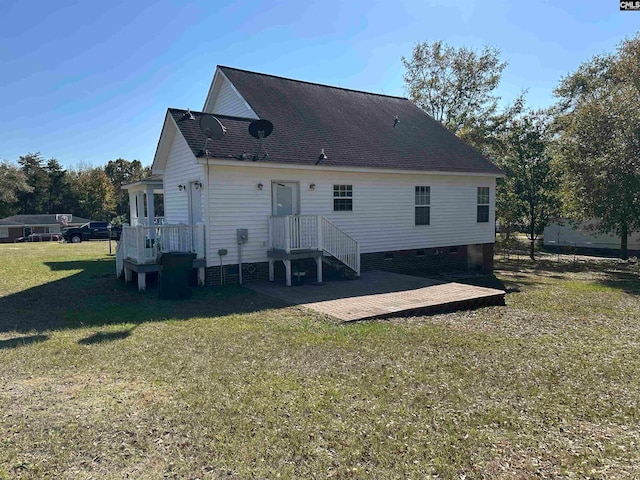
column 342, row 198
column 423, row 205
column 4, row 232
column 483, row 204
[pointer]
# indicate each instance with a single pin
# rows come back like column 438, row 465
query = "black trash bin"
column 174, row 276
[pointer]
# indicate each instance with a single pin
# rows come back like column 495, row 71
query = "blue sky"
column 86, row 81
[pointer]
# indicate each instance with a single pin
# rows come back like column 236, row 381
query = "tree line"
column 578, row 159
column 34, row 185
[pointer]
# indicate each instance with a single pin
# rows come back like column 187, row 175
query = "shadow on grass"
column 608, row 272
column 94, row 297
column 22, row 341
column 625, row 281
column 488, row 281
column 101, row 337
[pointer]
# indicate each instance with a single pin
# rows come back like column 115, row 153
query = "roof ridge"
column 314, row 83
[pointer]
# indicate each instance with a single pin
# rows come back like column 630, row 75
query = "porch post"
column 319, row 233
column 287, row 269
column 319, row 269
column 140, row 202
column 287, row 234
column 151, row 214
column 133, row 211
column 271, row 269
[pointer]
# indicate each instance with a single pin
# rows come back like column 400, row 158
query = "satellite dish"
column 211, row 127
column 260, row 128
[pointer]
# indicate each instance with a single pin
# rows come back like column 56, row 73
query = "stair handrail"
column 343, row 258
column 337, row 227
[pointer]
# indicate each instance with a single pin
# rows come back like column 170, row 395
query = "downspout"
column 207, row 220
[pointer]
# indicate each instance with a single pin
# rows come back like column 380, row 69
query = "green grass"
column 100, row 381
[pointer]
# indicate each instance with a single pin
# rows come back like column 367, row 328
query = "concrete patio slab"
column 382, row 294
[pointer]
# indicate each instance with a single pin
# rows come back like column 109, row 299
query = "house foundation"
column 418, row 262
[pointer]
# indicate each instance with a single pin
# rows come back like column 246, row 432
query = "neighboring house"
column 369, row 180
column 16, row 226
column 585, row 235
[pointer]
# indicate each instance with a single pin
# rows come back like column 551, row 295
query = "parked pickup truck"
column 91, row 231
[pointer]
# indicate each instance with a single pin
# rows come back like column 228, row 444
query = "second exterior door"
column 284, row 197
column 195, row 203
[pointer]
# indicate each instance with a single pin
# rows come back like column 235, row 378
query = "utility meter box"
column 243, row 235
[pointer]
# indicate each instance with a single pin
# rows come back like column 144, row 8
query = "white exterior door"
column 284, row 196
column 195, row 203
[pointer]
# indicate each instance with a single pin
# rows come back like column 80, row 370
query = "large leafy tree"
column 455, row 86
column 528, row 193
column 58, row 191
column 36, row 200
column 13, row 183
column 121, row 172
column 93, row 193
column 598, row 125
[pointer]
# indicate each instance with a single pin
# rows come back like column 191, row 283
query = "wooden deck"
column 381, row 294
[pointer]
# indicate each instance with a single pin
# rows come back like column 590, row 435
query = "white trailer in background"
column 585, row 235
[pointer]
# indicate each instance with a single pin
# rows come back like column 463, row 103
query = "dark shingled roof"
column 355, row 129
column 32, row 220
column 234, row 142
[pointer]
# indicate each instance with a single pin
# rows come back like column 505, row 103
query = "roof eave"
column 161, row 156
column 327, row 168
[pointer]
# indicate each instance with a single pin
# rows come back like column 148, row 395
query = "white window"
column 4, row 232
column 422, row 206
column 483, row 204
column 342, row 198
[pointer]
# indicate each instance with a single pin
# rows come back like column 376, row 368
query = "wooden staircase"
column 341, row 270
column 293, row 237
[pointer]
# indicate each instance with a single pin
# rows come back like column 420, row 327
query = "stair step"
column 343, row 269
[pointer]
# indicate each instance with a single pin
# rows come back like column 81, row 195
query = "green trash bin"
column 174, row 276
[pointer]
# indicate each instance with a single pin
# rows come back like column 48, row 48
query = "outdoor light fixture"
column 182, row 187
column 260, row 186
column 312, row 186
column 197, row 185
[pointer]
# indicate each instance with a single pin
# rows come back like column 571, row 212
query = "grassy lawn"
column 100, row 381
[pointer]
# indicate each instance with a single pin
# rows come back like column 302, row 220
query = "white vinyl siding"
column 385, row 205
column 226, row 101
column 181, row 169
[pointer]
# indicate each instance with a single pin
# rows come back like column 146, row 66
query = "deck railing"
column 313, row 232
column 142, row 221
column 143, row 244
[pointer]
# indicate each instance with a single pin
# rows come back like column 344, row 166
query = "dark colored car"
column 41, row 237
column 92, row 231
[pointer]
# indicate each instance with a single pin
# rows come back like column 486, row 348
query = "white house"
column 368, row 181
column 585, row 235
column 16, row 226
